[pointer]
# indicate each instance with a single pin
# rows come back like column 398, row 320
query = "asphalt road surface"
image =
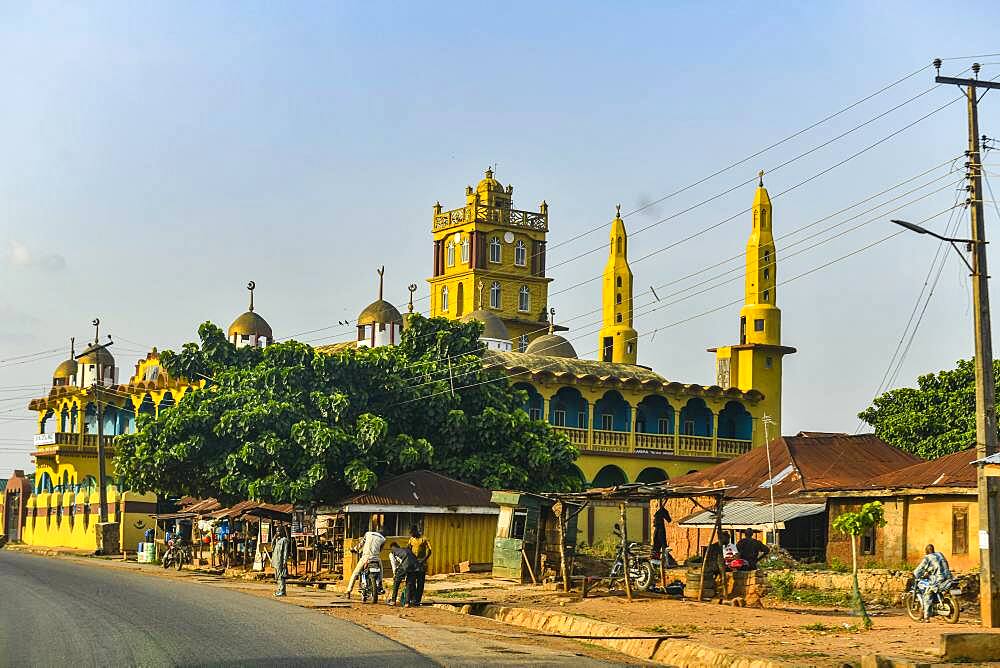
column 63, row 612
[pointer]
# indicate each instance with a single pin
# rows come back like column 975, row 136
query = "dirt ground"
column 785, row 633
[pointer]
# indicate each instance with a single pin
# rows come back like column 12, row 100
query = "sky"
column 157, row 156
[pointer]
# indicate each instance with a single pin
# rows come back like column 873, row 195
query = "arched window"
column 495, row 295
column 618, row 244
column 520, row 254
column 522, row 343
column 618, row 281
column 618, row 298
column 767, row 256
column 495, row 249
column 524, row 299
column 451, row 253
column 618, row 317
column 767, row 295
column 444, row 298
column 465, row 249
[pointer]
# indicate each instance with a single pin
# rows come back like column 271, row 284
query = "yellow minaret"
column 755, row 363
column 618, row 338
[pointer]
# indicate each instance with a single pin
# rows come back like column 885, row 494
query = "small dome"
column 380, row 312
column 96, row 355
column 493, row 327
column 489, row 184
column 66, row 369
column 251, row 324
column 552, row 345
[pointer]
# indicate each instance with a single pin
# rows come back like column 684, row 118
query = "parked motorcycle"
column 370, row 579
column 943, row 603
column 640, row 568
column 178, row 553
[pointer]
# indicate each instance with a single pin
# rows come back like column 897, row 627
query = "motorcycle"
column 640, row 567
column 178, row 553
column 943, row 603
column 371, row 579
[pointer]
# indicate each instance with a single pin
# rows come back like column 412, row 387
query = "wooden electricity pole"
column 986, row 422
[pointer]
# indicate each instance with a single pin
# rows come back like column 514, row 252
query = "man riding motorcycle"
column 371, row 548
column 933, row 568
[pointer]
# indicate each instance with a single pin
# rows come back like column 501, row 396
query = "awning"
column 754, row 514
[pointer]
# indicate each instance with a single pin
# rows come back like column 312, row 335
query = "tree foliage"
column 290, row 424
column 936, row 418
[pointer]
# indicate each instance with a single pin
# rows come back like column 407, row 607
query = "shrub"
column 782, row 585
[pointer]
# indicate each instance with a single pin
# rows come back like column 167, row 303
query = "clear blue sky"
column 156, row 158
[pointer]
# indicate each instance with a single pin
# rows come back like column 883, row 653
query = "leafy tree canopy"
column 936, row 418
column 289, row 424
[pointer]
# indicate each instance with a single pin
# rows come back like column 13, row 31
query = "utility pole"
column 102, row 483
column 768, row 420
column 986, row 422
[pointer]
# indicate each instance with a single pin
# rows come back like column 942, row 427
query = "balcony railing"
column 50, row 442
column 681, row 445
column 532, row 220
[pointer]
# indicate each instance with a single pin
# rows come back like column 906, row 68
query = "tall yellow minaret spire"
column 760, row 318
column 755, row 363
column 618, row 338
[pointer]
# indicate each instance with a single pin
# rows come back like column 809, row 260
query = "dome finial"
column 96, row 322
column 412, row 287
column 381, row 279
column 618, row 210
column 72, row 347
column 552, row 320
column 479, row 305
column 251, row 286
column 760, row 176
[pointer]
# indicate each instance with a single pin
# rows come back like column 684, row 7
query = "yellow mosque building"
column 629, row 423
column 64, row 508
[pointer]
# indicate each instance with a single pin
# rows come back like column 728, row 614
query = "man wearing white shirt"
column 371, row 547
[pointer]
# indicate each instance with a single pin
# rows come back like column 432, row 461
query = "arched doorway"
column 534, row 404
column 612, row 413
column 609, row 476
column 696, row 418
column 735, row 422
column 652, row 474
column 568, row 408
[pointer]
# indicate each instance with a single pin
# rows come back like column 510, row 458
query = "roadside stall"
column 567, row 506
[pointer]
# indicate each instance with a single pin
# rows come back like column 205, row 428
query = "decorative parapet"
column 530, row 220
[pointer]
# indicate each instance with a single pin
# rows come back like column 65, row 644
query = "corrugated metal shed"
column 804, row 464
column 740, row 514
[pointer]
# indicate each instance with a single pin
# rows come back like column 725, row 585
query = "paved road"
column 63, row 612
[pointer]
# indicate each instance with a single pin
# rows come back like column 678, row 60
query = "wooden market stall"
column 566, row 506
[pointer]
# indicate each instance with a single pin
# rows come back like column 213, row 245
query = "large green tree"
column 290, row 424
column 936, row 418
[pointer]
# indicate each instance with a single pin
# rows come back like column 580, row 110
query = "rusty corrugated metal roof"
column 422, row 488
column 804, row 464
column 954, row 470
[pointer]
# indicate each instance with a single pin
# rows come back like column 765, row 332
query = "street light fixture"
column 913, row 227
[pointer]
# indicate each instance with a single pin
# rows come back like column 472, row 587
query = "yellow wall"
column 453, row 539
column 929, row 521
column 605, row 518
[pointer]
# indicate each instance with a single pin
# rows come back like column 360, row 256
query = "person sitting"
column 751, row 549
column 371, row 546
column 934, row 569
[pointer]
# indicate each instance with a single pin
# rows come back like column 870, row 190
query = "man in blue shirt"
column 933, row 568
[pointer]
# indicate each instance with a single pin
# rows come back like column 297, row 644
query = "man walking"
column 933, row 568
column 421, row 549
column 371, row 548
column 279, row 560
